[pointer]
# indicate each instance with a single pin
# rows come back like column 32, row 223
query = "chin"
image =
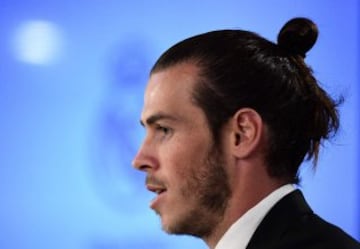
column 169, row 225
column 188, row 225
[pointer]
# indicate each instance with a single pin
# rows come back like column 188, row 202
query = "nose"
column 145, row 159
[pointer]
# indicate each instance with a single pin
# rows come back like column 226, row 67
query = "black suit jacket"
column 291, row 224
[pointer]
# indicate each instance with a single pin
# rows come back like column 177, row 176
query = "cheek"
column 184, row 157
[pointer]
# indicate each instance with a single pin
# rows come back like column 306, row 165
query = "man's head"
column 239, row 69
column 225, row 98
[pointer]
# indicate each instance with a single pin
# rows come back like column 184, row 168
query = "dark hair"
column 241, row 69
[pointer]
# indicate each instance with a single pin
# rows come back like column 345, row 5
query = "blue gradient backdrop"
column 69, row 128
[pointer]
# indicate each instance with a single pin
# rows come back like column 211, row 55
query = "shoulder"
column 292, row 224
column 311, row 231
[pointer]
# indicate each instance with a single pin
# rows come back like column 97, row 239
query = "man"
column 229, row 118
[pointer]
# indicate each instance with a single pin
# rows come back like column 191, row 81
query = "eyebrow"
column 156, row 117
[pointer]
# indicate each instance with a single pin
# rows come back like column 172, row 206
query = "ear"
column 247, row 132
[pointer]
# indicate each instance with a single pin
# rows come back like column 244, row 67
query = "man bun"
column 298, row 36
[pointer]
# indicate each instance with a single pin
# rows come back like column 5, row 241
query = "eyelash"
column 163, row 129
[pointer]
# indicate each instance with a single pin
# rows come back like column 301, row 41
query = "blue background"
column 69, row 128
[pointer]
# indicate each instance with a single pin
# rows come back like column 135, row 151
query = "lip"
column 155, row 202
column 159, row 190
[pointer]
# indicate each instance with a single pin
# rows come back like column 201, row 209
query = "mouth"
column 156, row 189
column 159, row 191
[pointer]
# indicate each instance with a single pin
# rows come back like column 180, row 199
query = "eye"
column 162, row 129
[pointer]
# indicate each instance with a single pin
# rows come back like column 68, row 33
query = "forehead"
column 169, row 91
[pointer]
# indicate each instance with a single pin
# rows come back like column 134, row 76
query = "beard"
column 208, row 187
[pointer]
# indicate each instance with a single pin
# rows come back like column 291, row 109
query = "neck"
column 247, row 192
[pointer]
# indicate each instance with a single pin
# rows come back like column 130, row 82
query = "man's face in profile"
column 183, row 166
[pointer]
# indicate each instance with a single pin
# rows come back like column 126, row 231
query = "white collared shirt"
column 240, row 233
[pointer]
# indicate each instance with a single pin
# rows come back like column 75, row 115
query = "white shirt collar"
column 239, row 234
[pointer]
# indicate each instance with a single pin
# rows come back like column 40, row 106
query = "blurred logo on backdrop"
column 118, row 133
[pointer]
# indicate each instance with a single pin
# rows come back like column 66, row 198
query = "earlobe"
column 247, row 132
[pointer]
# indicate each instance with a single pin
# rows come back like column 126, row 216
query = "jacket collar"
column 278, row 220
